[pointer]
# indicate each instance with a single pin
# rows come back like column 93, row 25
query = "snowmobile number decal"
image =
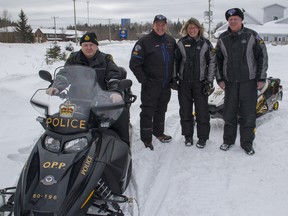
column 44, row 196
column 66, row 123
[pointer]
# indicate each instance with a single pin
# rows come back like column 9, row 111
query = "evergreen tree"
column 23, row 30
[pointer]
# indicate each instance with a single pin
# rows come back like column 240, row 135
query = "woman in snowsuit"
column 194, row 70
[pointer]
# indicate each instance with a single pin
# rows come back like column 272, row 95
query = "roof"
column 59, row 31
column 7, row 29
column 275, row 4
column 276, row 27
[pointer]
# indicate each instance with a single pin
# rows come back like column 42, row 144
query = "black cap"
column 160, row 17
column 89, row 37
column 234, row 12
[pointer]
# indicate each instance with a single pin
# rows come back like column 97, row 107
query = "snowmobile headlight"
column 52, row 144
column 76, row 145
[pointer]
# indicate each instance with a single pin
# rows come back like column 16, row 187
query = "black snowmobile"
column 268, row 99
column 78, row 166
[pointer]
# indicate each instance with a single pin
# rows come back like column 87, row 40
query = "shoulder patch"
column 137, row 48
column 259, row 39
column 109, row 57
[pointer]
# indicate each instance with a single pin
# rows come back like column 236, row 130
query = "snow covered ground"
column 173, row 179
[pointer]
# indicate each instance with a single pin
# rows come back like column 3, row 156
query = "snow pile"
column 173, row 179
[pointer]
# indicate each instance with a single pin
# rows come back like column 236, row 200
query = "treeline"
column 134, row 30
column 4, row 22
column 23, row 31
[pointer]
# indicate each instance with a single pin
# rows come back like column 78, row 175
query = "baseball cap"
column 160, row 17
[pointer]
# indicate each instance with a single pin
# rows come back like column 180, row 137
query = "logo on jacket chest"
column 189, row 46
column 243, row 41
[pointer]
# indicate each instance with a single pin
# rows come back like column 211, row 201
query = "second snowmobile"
column 268, row 99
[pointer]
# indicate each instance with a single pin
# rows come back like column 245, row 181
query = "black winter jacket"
column 241, row 56
column 194, row 60
column 107, row 71
column 152, row 58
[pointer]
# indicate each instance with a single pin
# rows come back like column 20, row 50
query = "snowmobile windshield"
column 80, row 104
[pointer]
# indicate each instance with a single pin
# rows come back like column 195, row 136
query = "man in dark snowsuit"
column 152, row 64
column 108, row 75
column 242, row 64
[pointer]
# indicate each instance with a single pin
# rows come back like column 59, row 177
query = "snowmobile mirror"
column 45, row 75
column 124, row 84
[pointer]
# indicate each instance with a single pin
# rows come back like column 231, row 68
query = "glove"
column 174, row 84
column 207, row 88
column 116, row 98
column 52, row 91
column 222, row 85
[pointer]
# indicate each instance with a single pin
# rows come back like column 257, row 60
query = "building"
column 274, row 28
column 7, row 34
column 41, row 35
column 273, row 12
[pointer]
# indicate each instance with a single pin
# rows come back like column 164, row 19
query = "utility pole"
column 76, row 39
column 88, row 22
column 209, row 19
column 209, row 15
column 109, row 27
column 54, row 28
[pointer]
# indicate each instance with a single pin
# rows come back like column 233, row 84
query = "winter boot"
column 188, row 140
column 201, row 143
column 225, row 147
column 149, row 145
column 164, row 138
column 249, row 150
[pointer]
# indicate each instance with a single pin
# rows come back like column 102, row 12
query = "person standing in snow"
column 242, row 65
column 152, row 64
column 108, row 75
column 194, row 71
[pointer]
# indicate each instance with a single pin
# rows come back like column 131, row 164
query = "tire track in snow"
column 160, row 186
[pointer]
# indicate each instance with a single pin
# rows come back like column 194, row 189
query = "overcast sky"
column 40, row 13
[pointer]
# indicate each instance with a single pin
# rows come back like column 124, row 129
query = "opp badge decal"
column 65, row 119
column 49, row 180
column 67, row 109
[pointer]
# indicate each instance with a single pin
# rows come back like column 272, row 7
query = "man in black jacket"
column 242, row 64
column 108, row 74
column 152, row 64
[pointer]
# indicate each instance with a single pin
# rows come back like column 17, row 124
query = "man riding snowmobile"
column 79, row 166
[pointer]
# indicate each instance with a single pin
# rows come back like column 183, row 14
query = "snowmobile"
column 268, row 99
column 78, row 166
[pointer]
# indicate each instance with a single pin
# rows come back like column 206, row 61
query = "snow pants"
column 190, row 93
column 240, row 102
column 154, row 101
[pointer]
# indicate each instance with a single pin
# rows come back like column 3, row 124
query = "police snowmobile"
column 78, row 166
column 268, row 99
